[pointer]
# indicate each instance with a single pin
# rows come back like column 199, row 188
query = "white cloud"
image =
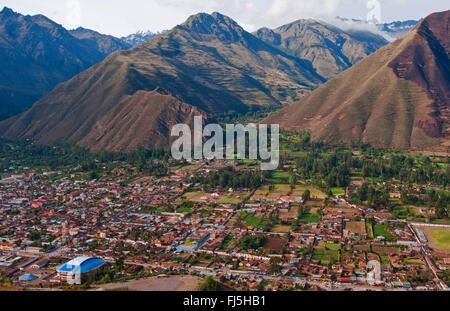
column 121, row 17
column 307, row 8
column 350, row 25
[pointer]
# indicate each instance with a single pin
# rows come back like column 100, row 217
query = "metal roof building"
column 27, row 277
column 81, row 264
column 71, row 271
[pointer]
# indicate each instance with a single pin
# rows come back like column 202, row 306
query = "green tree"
column 306, row 195
column 210, row 285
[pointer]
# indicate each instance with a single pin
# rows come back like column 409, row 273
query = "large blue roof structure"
column 27, row 277
column 81, row 264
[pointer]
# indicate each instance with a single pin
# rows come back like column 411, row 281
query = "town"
column 84, row 226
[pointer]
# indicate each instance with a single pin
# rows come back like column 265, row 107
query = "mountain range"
column 140, row 37
column 329, row 49
column 210, row 65
column 36, row 54
column 98, row 42
column 398, row 97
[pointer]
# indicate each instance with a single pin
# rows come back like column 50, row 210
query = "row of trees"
column 375, row 163
column 331, row 169
column 228, row 177
column 252, row 242
column 405, row 169
column 379, row 196
column 35, row 155
column 374, row 196
column 439, row 200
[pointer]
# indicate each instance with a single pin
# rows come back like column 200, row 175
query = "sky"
column 123, row 17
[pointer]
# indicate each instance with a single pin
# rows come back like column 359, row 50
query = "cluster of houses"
column 47, row 218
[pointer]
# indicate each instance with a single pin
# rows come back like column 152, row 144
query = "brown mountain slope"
column 99, row 42
column 144, row 118
column 396, row 98
column 329, row 49
column 211, row 62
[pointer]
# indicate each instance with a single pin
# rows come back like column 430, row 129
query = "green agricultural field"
column 329, row 246
column 248, row 164
column 326, row 256
column 310, row 218
column 263, row 190
column 442, row 165
column 332, row 246
column 412, row 260
column 381, row 230
column 441, row 238
column 188, row 167
column 193, row 196
column 230, row 200
column 226, row 242
column 369, row 230
column 279, row 177
column 404, row 212
column 58, row 177
column 315, row 193
column 385, row 259
column 281, row 189
column 252, row 221
column 338, row 191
